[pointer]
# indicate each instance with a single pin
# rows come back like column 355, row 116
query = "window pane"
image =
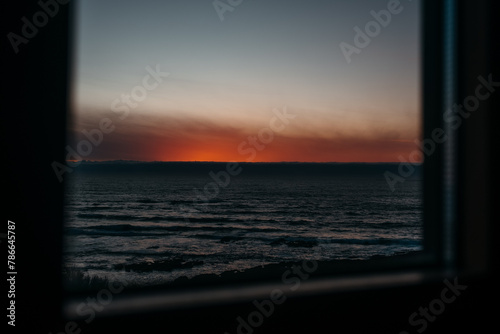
column 215, row 137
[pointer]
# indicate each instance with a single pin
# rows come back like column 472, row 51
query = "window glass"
column 228, row 138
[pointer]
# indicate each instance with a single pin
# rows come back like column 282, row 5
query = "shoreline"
column 274, row 271
column 78, row 282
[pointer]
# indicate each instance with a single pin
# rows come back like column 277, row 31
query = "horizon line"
column 239, row 162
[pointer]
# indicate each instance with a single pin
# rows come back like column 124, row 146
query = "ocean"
column 154, row 223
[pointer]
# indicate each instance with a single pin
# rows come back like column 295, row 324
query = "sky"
column 267, row 82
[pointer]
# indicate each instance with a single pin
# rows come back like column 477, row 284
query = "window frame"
column 433, row 86
column 40, row 72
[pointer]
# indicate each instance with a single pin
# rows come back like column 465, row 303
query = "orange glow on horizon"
column 189, row 141
column 289, row 150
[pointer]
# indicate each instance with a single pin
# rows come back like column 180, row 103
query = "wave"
column 186, row 218
column 377, row 241
column 312, row 242
column 295, row 242
column 388, row 225
column 344, row 226
column 146, row 201
column 353, row 213
column 118, row 217
column 105, row 216
column 131, row 230
column 158, row 265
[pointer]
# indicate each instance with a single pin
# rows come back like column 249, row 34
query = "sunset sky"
column 229, row 79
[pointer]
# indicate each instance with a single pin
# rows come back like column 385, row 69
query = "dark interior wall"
column 34, row 87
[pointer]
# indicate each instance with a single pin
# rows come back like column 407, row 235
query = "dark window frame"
column 434, row 50
column 37, row 84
